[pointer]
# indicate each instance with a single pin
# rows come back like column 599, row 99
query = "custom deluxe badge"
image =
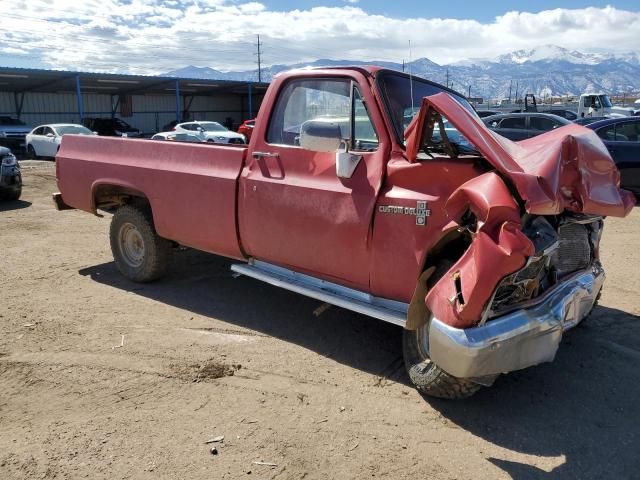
column 420, row 211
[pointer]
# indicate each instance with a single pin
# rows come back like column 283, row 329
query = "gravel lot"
column 104, row 378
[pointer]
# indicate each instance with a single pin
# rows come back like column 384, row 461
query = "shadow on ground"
column 7, row 205
column 583, row 407
column 203, row 284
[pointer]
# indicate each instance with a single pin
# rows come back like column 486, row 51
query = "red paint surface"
column 191, row 187
column 295, row 211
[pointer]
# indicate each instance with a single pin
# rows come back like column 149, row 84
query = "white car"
column 44, row 141
column 178, row 137
column 211, row 132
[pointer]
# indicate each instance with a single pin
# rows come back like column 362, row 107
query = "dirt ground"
column 104, row 378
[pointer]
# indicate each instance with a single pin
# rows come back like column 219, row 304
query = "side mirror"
column 50, row 135
column 320, row 136
column 200, row 129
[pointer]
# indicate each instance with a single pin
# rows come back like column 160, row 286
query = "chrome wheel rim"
column 131, row 245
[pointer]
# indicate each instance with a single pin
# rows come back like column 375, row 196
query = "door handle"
column 258, row 155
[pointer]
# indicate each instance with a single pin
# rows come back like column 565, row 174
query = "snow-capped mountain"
column 546, row 70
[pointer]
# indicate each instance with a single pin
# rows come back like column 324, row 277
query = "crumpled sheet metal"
column 565, row 169
column 568, row 169
column 499, row 248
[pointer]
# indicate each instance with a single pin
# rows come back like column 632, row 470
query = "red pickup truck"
column 383, row 194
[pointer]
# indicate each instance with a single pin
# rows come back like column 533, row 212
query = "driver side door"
column 294, row 210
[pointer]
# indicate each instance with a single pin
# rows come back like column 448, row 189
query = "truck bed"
column 192, row 188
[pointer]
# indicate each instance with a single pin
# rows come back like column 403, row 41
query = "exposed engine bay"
column 563, row 245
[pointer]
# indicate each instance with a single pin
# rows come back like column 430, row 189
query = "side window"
column 47, row 131
column 312, row 99
column 38, row 131
column 514, row 122
column 543, row 124
column 364, row 135
column 628, row 132
column 608, row 133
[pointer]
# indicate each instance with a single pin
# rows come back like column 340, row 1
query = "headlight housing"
column 9, row 161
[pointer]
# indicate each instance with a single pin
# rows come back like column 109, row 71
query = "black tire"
column 31, row 152
column 425, row 375
column 13, row 195
column 139, row 253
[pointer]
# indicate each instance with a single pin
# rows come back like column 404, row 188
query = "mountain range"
column 548, row 70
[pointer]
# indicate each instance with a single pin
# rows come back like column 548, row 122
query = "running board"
column 390, row 311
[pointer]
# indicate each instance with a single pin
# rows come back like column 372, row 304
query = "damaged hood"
column 565, row 169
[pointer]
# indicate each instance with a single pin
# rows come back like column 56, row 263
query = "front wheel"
column 425, row 375
column 139, row 252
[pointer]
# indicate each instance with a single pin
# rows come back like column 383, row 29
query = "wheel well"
column 450, row 247
column 111, row 197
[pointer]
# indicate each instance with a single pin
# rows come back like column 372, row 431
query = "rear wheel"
column 425, row 375
column 139, row 252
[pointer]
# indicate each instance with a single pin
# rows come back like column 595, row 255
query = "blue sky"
column 464, row 9
column 155, row 36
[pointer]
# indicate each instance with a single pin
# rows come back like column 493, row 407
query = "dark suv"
column 111, row 127
column 10, row 177
column 13, row 132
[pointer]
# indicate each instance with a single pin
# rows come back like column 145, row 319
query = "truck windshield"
column 396, row 90
column 606, row 103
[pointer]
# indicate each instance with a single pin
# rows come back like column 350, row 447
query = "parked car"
column 177, row 137
column 487, row 113
column 483, row 255
column 621, row 136
column 44, row 141
column 211, row 132
column 13, row 132
column 111, row 127
column 247, row 128
column 10, row 177
column 588, row 120
column 519, row 126
column 568, row 114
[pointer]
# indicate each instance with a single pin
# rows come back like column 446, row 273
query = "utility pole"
column 447, row 78
column 403, row 64
column 469, row 94
column 510, row 86
column 259, row 59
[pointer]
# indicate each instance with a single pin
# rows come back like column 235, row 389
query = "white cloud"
column 152, row 36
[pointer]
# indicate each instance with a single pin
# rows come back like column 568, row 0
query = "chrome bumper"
column 519, row 339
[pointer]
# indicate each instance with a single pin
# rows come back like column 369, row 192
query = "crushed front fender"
column 498, row 248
